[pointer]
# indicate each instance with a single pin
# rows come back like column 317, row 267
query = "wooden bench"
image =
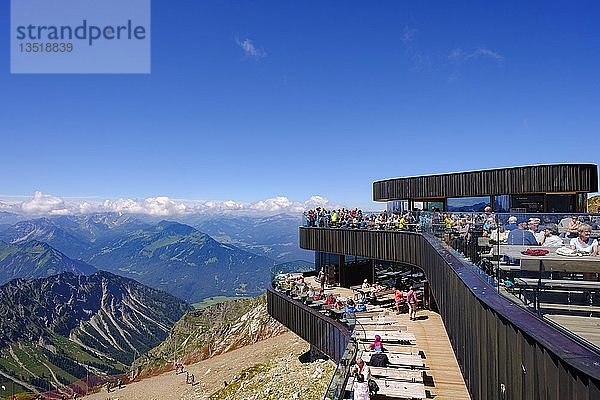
column 400, row 374
column 386, row 336
column 385, row 297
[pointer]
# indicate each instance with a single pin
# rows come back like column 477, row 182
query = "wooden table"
column 398, row 359
column 556, row 284
column 381, row 320
column 399, row 374
column 389, row 336
column 407, row 390
column 553, row 262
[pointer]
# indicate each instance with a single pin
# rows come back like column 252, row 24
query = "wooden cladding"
column 327, row 335
column 504, row 351
column 558, row 178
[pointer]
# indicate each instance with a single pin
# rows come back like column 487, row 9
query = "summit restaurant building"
column 560, row 188
column 505, row 348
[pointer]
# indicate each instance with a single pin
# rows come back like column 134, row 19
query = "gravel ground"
column 269, row 369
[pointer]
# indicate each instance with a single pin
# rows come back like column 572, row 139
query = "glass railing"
column 545, row 263
column 337, row 387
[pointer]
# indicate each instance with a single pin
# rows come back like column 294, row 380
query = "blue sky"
column 249, row 100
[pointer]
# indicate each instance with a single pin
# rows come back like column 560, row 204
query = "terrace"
column 522, row 325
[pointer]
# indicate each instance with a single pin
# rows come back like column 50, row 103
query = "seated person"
column 376, row 288
column 573, row 225
column 534, row 225
column 551, row 238
column 362, row 374
column 511, row 224
column 350, row 307
column 521, row 236
column 339, row 305
column 377, row 344
column 330, row 299
column 584, row 243
column 499, row 235
column 365, row 284
column 319, row 296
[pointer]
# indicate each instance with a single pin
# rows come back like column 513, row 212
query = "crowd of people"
column 547, row 230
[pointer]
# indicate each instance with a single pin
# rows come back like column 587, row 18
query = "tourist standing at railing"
column 584, row 243
column 321, row 277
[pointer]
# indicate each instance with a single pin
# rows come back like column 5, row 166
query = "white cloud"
column 250, row 50
column 408, row 35
column 156, row 206
column 459, row 55
column 279, row 203
column 162, row 206
column 44, row 204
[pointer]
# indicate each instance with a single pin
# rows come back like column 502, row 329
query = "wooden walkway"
column 443, row 378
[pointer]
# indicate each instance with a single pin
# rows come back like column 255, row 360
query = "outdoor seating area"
column 396, row 364
column 405, row 375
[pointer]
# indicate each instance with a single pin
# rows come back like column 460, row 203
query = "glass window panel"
column 526, row 203
column 559, row 203
column 468, row 204
column 502, row 203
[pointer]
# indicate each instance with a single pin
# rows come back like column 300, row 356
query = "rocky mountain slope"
column 54, row 330
column 201, row 334
column 267, row 370
column 35, row 259
column 236, row 342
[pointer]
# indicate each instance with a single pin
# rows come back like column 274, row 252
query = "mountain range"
column 34, row 259
column 167, row 255
column 273, row 236
column 57, row 329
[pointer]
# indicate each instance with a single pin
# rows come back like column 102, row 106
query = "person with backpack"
column 411, row 298
column 362, row 375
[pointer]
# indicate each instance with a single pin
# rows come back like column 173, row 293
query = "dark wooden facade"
column 327, row 335
column 559, row 178
column 504, row 351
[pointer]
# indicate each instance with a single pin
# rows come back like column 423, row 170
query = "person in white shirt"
column 551, row 238
column 583, row 242
column 362, row 374
column 534, row 224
